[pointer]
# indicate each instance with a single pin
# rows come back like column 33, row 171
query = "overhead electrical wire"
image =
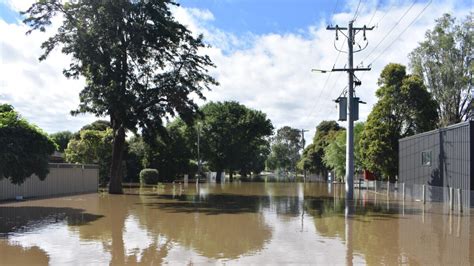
column 356, row 14
column 403, row 31
column 329, row 74
column 390, row 31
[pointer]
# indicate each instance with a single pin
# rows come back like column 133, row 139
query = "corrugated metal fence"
column 62, row 179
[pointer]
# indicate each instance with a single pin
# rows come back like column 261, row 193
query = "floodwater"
column 236, row 223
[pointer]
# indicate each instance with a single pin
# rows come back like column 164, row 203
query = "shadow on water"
column 317, row 206
column 22, row 219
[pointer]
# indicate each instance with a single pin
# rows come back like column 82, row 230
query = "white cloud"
column 273, row 72
column 38, row 90
column 269, row 72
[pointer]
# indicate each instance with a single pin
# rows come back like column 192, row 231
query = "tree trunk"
column 231, row 175
column 115, row 186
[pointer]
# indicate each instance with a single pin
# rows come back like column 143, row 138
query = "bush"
column 149, row 176
column 24, row 148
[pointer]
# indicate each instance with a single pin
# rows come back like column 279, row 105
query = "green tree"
column 92, row 147
column 313, row 154
column 100, row 125
column 405, row 107
column 61, row 139
column 170, row 153
column 445, row 61
column 234, row 137
column 335, row 152
column 139, row 63
column 285, row 150
column 134, row 158
column 24, row 148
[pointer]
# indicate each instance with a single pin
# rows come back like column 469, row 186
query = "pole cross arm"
column 351, row 69
column 345, row 28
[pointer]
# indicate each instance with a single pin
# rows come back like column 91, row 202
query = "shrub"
column 24, row 148
column 149, row 176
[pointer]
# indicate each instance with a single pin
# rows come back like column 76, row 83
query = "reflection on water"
column 246, row 223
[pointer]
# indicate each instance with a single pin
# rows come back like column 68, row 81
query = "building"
column 439, row 159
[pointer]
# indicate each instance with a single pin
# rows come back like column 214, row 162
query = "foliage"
column 101, row 125
column 335, row 152
column 404, row 108
column 149, row 176
column 445, row 61
column 92, row 147
column 313, row 154
column 170, row 153
column 285, row 149
column 24, row 148
column 234, row 137
column 61, row 139
column 134, row 158
column 139, row 63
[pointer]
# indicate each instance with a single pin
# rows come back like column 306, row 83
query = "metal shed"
column 439, row 159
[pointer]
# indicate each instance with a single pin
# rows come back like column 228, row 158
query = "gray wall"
column 451, row 160
column 63, row 179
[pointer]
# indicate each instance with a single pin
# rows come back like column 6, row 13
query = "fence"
column 62, row 179
column 454, row 198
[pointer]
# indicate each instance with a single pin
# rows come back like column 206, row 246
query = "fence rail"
column 63, row 179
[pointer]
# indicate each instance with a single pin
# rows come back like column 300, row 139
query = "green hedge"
column 149, row 176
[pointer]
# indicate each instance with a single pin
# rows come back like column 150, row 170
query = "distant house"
column 440, row 159
column 56, row 157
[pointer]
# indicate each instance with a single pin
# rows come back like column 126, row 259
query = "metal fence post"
column 403, row 191
column 460, row 200
column 451, row 198
column 388, row 188
column 424, row 194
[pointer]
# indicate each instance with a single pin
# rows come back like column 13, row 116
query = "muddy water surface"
column 238, row 223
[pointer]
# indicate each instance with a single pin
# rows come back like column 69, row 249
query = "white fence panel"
column 62, row 179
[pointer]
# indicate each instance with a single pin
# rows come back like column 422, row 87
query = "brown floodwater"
column 235, row 223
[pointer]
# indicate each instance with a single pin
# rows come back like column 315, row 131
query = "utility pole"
column 303, row 142
column 351, row 32
column 198, row 129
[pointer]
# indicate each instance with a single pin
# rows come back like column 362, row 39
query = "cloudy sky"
column 264, row 51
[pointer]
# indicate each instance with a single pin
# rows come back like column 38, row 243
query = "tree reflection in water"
column 241, row 222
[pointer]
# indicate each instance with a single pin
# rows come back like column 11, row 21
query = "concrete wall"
column 62, row 179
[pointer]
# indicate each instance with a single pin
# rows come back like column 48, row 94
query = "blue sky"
column 264, row 51
column 263, row 16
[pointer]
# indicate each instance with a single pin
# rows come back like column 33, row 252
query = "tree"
column 139, row 63
column 445, row 61
column 405, row 107
column 92, row 147
column 285, row 149
column 24, row 148
column 335, row 152
column 170, row 153
column 312, row 158
column 61, row 139
column 134, row 158
column 234, row 137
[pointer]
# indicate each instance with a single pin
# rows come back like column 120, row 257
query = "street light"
column 320, row 70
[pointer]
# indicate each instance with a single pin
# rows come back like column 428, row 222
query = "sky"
column 263, row 50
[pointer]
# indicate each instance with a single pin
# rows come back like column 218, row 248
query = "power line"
column 386, row 12
column 390, row 31
column 357, row 11
column 334, row 10
column 325, row 83
column 373, row 15
column 403, row 31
